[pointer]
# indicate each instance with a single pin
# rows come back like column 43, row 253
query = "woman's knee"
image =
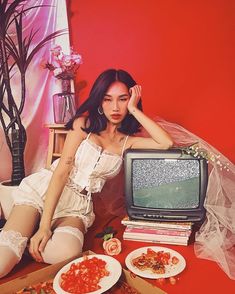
column 66, row 242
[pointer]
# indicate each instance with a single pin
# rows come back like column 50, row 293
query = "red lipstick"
column 115, row 116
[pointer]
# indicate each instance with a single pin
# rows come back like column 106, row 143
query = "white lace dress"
column 92, row 167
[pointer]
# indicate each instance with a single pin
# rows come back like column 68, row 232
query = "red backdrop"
column 181, row 52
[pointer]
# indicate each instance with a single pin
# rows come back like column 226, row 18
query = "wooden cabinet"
column 57, row 135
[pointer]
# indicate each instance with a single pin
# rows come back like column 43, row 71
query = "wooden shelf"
column 57, row 135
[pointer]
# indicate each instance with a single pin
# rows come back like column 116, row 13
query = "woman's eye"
column 107, row 99
column 123, row 99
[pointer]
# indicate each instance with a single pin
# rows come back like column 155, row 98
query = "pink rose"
column 67, row 60
column 112, row 246
column 77, row 58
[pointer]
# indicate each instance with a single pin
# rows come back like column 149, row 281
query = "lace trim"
column 100, row 149
column 71, row 230
column 15, row 241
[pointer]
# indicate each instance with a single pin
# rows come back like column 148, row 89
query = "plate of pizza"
column 155, row 262
column 88, row 274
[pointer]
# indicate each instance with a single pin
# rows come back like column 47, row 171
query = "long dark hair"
column 95, row 122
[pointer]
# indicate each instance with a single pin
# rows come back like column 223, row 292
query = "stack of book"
column 176, row 233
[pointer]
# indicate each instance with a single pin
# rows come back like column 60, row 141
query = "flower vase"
column 64, row 104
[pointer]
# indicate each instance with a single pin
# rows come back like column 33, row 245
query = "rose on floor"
column 112, row 246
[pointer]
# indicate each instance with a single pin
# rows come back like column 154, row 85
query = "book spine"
column 185, row 243
column 171, row 232
column 156, row 237
column 156, row 224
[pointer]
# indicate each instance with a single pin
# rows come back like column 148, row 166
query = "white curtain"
column 40, row 86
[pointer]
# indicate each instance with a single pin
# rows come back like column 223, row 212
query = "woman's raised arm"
column 159, row 138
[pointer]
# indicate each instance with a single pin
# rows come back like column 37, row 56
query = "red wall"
column 181, row 52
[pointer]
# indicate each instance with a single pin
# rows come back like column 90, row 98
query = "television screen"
column 165, row 185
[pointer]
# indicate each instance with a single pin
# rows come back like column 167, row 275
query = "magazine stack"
column 175, row 233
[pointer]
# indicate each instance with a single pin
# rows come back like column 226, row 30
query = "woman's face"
column 115, row 102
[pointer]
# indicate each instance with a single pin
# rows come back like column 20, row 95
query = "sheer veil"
column 215, row 240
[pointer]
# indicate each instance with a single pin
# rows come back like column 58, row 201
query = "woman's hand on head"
column 38, row 243
column 135, row 93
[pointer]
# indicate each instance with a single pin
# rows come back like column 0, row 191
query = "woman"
column 53, row 208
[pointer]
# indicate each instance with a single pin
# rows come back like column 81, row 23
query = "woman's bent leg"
column 6, row 204
column 14, row 236
column 66, row 241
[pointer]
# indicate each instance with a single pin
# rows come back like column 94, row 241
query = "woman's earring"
column 100, row 110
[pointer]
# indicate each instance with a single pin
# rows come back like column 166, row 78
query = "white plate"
column 113, row 266
column 171, row 269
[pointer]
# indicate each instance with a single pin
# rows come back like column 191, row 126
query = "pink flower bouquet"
column 64, row 66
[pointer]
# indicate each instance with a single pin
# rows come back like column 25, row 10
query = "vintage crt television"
column 165, row 185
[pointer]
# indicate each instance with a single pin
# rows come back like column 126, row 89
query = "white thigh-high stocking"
column 12, row 246
column 66, row 242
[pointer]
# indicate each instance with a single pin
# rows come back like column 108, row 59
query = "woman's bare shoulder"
column 78, row 125
column 79, row 122
column 131, row 140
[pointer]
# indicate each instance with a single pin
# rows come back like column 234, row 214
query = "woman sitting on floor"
column 53, row 208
